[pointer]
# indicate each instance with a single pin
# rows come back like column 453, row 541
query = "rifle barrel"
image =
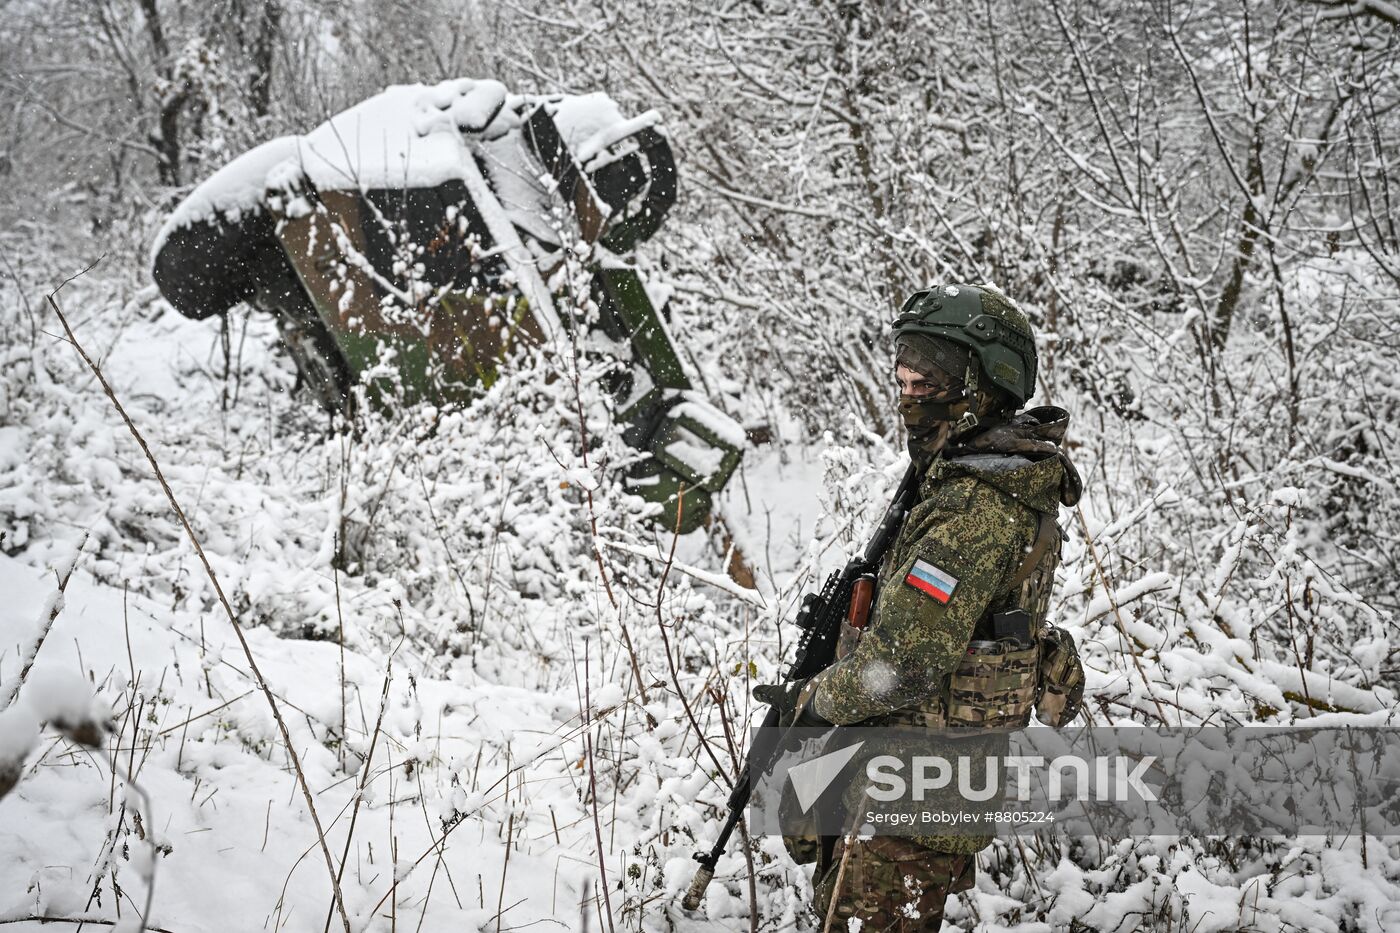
column 867, row 562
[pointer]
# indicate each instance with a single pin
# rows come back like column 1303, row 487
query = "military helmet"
column 982, row 319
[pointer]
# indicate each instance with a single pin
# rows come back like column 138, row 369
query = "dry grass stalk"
column 75, row 921
column 436, row 845
column 223, row 601
column 743, row 824
column 364, row 780
column 151, row 844
column 505, row 866
column 340, row 641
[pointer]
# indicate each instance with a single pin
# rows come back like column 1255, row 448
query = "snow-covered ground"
column 492, row 708
column 434, row 760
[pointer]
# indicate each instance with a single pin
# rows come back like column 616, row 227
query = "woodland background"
column 1197, row 204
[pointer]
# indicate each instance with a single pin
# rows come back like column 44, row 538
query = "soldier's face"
column 918, row 385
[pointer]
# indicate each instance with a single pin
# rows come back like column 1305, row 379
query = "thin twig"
column 76, row 920
column 505, row 866
column 436, row 844
column 743, row 824
column 149, row 834
column 1118, row 613
column 28, row 311
column 340, row 640
column 592, row 789
column 193, row 718
column 365, row 772
column 666, row 645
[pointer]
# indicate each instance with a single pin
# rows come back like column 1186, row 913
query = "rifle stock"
column 820, row 619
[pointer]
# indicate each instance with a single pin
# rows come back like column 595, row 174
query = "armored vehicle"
column 408, row 243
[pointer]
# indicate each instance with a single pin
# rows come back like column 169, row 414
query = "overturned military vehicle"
column 407, row 244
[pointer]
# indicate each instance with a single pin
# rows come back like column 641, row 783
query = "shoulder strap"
column 1045, row 533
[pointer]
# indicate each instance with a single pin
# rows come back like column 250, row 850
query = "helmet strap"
column 966, row 423
column 969, row 420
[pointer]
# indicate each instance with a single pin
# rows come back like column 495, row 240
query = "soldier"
column 974, row 561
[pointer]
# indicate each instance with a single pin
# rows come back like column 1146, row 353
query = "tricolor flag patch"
column 934, row 581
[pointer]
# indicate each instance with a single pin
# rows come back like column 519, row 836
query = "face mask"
column 923, row 414
column 932, row 420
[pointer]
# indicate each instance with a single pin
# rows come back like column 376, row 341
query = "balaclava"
column 954, row 412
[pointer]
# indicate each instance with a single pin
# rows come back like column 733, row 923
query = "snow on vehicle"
column 410, row 240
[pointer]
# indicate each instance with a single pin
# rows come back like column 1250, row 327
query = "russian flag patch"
column 932, row 581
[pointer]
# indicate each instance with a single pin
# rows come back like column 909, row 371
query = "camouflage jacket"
column 954, row 559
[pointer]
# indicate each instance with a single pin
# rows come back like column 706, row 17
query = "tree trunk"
column 1244, row 251
column 260, row 80
column 166, row 138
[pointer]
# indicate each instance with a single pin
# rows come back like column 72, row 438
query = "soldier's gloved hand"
column 793, row 701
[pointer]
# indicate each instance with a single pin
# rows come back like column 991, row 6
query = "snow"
column 523, row 188
column 414, row 135
column 608, row 696
column 583, row 118
column 717, row 580
column 410, row 135
column 238, row 187
column 701, row 457
column 487, row 740
column 19, row 732
column 698, row 409
column 480, row 596
column 590, row 153
column 642, row 383
column 61, row 696
column 243, row 820
column 503, row 231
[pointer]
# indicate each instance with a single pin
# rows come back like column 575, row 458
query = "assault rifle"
column 820, row 617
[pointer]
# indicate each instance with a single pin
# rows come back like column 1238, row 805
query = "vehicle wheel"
column 321, row 369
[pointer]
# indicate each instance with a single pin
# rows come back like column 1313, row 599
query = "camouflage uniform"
column 974, row 560
column 976, row 518
column 894, row 884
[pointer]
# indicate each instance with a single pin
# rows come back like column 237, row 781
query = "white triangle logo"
column 811, row 778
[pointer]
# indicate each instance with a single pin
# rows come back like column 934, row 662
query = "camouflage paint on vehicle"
column 421, row 292
column 440, row 347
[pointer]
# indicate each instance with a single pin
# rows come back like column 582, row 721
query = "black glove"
column 793, row 701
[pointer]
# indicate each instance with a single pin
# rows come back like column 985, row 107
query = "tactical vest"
column 997, row 682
